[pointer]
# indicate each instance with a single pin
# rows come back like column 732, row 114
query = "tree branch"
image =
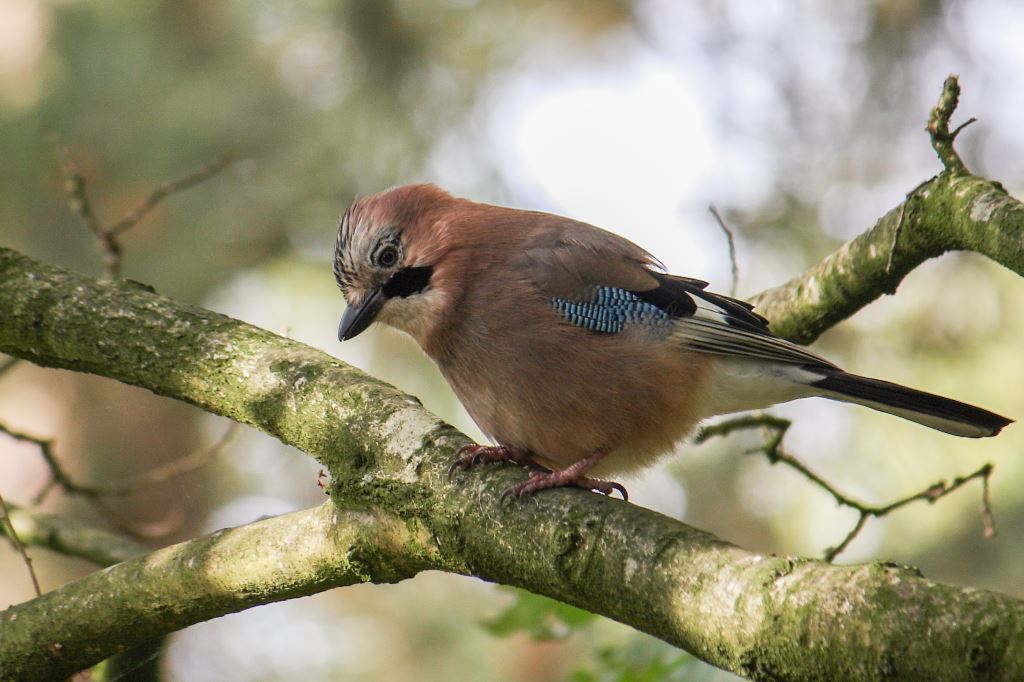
column 952, row 211
column 731, row 241
column 108, row 238
column 393, row 513
column 58, row 476
column 164, row 190
column 72, row 538
column 8, row 528
column 776, row 454
column 144, row 598
column 938, row 127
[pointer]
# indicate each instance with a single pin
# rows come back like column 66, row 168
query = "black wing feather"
column 679, row 296
column 713, row 323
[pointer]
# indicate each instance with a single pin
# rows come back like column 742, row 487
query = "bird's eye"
column 387, row 256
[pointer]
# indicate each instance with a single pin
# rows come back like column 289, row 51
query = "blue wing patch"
column 609, row 310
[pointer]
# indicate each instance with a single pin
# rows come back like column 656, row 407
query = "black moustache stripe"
column 408, row 281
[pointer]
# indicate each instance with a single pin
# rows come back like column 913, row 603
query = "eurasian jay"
column 570, row 347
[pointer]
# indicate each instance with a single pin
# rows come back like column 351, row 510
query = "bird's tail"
column 944, row 414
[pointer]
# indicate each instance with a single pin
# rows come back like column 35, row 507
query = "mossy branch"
column 72, row 538
column 393, row 513
column 952, row 211
column 142, row 599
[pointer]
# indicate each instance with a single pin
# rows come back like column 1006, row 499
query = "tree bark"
column 71, row 538
column 393, row 512
column 950, row 212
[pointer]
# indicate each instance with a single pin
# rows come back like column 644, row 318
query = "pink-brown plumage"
column 479, row 288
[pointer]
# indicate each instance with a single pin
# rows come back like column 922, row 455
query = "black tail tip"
column 998, row 424
column 943, row 414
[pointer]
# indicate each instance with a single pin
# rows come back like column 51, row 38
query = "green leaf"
column 641, row 658
column 539, row 617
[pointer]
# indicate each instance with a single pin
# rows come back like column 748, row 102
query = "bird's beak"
column 358, row 317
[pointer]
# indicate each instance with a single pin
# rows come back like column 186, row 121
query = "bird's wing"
column 565, row 258
column 723, row 325
column 606, row 284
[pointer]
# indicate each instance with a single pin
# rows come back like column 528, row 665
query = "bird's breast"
column 534, row 381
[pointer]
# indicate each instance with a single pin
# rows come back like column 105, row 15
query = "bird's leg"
column 573, row 475
column 469, row 456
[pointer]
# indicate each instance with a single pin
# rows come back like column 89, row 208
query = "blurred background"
column 803, row 122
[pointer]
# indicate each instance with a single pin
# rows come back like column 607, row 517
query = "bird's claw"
column 468, row 456
column 540, row 478
column 556, row 479
column 604, row 487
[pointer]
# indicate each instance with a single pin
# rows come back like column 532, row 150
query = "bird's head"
column 387, row 249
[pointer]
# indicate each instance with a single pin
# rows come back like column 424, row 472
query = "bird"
column 571, row 347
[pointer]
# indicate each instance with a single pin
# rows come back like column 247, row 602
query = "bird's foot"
column 573, row 475
column 541, row 477
column 469, row 456
column 540, row 480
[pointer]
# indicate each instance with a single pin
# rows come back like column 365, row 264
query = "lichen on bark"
column 393, row 512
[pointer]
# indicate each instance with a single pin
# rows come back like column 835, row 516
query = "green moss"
column 394, row 512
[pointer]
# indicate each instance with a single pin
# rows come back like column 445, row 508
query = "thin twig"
column 58, row 477
column 78, row 202
column 190, row 462
column 986, row 505
column 71, row 537
column 773, row 450
column 18, row 545
column 938, row 127
column 934, row 492
column 732, row 248
column 174, row 516
column 107, row 238
column 960, row 127
column 74, row 187
column 171, row 520
column 748, row 421
column 97, row 496
column 164, row 190
column 157, row 475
